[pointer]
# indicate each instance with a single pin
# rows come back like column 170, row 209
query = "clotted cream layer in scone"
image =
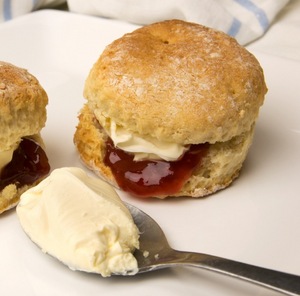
column 171, row 110
column 23, row 161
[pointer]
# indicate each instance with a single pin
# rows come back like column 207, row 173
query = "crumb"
column 145, row 254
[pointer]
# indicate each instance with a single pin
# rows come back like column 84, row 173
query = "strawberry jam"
column 148, row 178
column 29, row 163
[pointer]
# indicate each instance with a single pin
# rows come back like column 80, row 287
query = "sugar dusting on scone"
column 171, row 110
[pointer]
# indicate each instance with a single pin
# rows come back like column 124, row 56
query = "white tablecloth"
column 283, row 37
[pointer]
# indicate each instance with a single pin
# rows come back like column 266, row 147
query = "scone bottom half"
column 23, row 160
column 194, row 87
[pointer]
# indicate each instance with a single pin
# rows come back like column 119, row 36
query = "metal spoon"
column 155, row 253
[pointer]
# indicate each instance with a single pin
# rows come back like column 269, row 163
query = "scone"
column 171, row 110
column 23, row 161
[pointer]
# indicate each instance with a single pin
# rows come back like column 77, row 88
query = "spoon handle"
column 288, row 284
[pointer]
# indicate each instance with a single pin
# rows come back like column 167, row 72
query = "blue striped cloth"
column 10, row 9
column 246, row 20
column 250, row 19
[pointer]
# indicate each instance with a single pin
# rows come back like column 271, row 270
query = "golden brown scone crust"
column 89, row 139
column 22, row 105
column 10, row 197
column 179, row 82
column 218, row 169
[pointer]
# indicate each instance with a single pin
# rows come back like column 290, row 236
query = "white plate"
column 256, row 220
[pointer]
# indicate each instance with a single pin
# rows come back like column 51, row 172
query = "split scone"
column 23, row 161
column 171, row 110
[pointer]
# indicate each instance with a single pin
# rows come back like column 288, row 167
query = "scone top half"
column 173, row 84
column 22, row 105
column 178, row 82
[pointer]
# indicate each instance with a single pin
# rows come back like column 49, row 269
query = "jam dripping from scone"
column 29, row 163
column 148, row 178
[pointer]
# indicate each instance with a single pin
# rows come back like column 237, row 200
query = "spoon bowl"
column 155, row 253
